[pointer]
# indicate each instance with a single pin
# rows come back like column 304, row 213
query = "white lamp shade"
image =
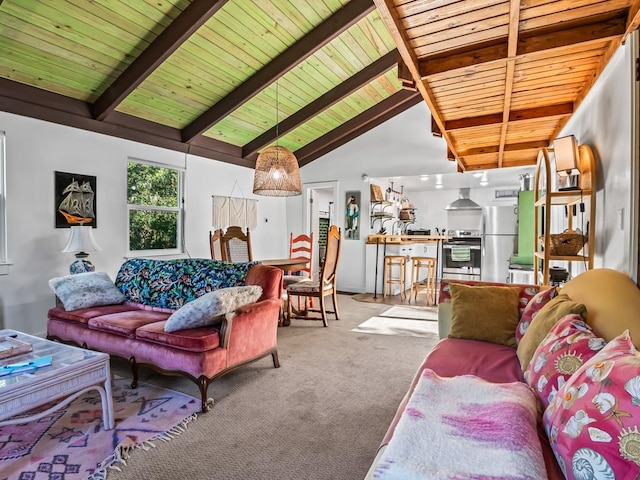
column 565, row 150
column 81, row 240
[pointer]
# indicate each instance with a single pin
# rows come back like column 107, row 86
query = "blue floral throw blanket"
column 465, row 428
column 172, row 283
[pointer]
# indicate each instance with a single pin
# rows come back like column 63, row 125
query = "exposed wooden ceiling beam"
column 514, row 20
column 171, row 38
column 515, row 115
column 333, row 96
column 633, row 20
column 370, row 118
column 317, row 38
column 610, row 28
column 389, row 14
column 514, row 147
column 33, row 102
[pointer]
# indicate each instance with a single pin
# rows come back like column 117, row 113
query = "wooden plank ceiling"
column 217, row 78
column 502, row 77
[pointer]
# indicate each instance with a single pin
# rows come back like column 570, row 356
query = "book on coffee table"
column 10, row 346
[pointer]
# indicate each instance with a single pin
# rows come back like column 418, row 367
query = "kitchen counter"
column 379, row 239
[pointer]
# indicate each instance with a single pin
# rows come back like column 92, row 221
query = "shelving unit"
column 379, row 212
column 546, row 198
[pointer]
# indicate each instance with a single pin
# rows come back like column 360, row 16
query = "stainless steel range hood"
column 463, row 202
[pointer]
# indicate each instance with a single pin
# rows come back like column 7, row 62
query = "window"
column 154, row 207
column 3, row 206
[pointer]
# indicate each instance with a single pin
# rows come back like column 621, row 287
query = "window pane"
column 151, row 185
column 152, row 230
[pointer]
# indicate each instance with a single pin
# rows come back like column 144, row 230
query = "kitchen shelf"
column 568, row 197
column 545, row 198
column 378, row 212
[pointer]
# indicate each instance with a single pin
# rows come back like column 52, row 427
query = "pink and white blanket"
column 465, row 428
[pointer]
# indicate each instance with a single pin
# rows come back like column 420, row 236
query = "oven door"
column 461, row 260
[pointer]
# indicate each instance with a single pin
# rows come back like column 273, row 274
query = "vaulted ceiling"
column 212, row 77
column 225, row 78
column 502, row 77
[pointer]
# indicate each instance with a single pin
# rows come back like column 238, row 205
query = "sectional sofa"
column 215, row 334
column 552, row 391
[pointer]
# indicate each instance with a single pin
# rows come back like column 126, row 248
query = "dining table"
column 287, row 264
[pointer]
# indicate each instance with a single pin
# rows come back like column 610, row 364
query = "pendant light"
column 276, row 173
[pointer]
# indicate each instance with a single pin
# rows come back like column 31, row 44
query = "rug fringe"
column 121, row 454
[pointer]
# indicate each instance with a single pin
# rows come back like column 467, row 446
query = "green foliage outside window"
column 152, row 195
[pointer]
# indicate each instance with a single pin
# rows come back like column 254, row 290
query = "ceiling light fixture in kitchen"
column 484, row 181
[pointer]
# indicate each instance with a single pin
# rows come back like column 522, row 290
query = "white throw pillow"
column 85, row 290
column 207, row 309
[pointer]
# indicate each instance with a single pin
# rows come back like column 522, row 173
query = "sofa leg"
column 203, row 384
column 134, row 372
column 276, row 362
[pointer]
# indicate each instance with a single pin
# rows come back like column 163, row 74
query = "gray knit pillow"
column 85, row 290
column 207, row 309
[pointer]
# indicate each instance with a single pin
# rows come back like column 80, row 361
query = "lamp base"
column 81, row 265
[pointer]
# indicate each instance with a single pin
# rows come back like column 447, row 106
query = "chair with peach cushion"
column 324, row 286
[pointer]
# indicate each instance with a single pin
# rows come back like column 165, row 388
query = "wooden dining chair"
column 215, row 244
column 236, row 245
column 300, row 246
column 324, row 286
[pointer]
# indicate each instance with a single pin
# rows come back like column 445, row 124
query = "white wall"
column 604, row 122
column 35, row 149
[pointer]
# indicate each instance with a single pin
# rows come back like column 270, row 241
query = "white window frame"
column 179, row 210
column 4, row 257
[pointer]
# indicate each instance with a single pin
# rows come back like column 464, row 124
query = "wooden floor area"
column 392, row 299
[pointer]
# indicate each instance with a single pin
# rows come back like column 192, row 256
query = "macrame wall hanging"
column 239, row 211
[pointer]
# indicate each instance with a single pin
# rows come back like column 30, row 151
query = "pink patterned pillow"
column 535, row 304
column 569, row 344
column 592, row 423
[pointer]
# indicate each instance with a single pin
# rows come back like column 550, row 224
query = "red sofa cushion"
column 126, row 323
column 83, row 315
column 191, row 339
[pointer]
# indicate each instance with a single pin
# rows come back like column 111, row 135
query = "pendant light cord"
column 277, row 116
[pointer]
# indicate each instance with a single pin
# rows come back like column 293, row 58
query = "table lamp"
column 81, row 241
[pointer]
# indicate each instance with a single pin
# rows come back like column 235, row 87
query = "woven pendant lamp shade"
column 277, row 173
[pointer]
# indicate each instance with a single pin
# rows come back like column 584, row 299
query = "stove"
column 464, row 233
column 462, row 255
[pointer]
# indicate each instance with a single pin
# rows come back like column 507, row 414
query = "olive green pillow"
column 486, row 313
column 546, row 318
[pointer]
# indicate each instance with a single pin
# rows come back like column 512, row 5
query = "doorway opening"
column 320, row 200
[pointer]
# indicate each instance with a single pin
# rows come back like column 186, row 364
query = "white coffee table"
column 73, row 371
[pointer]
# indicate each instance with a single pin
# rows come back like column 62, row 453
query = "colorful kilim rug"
column 71, row 444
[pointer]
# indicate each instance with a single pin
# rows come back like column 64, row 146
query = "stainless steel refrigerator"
column 499, row 242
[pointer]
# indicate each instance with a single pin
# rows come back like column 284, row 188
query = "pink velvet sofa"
column 612, row 304
column 153, row 290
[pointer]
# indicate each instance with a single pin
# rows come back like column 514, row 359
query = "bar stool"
column 391, row 261
column 428, row 283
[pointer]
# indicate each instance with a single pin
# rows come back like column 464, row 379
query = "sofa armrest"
column 268, row 277
column 251, row 331
column 444, row 319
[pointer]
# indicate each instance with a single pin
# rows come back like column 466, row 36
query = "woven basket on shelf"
column 566, row 243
